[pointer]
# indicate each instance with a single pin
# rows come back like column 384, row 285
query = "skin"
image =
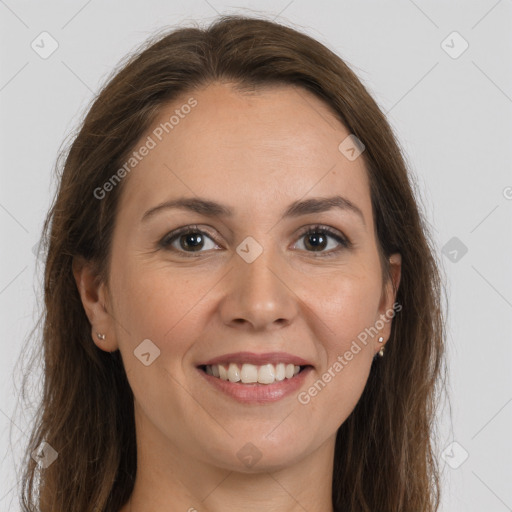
column 256, row 153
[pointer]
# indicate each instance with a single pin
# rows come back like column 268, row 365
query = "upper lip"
column 258, row 359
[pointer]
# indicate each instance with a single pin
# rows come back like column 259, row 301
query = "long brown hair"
column 384, row 457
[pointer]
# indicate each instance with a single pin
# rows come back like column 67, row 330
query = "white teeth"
column 266, row 374
column 233, row 373
column 223, row 373
column 280, row 371
column 250, row 373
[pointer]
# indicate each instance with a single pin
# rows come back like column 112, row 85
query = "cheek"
column 346, row 303
column 154, row 304
column 346, row 308
column 347, row 350
column 166, row 309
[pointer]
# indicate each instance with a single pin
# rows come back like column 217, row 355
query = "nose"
column 259, row 295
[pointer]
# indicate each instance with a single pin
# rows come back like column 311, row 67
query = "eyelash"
column 168, row 239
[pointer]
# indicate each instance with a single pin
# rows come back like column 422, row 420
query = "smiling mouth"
column 247, row 373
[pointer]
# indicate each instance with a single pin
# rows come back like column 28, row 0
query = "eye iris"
column 318, row 241
column 192, row 241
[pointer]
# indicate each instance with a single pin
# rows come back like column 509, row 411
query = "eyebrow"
column 295, row 209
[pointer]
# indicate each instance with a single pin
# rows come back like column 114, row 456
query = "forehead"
column 254, row 149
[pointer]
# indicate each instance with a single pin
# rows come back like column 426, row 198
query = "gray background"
column 452, row 116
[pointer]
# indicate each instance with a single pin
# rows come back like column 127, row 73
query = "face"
column 247, row 278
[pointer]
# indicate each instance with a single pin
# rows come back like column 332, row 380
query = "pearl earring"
column 381, row 351
column 100, row 336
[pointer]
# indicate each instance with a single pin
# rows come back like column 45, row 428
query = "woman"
column 242, row 304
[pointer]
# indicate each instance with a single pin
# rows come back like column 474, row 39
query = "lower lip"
column 258, row 393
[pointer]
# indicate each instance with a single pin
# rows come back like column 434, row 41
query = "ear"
column 94, row 295
column 386, row 309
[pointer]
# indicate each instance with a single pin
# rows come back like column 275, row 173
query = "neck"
column 172, row 482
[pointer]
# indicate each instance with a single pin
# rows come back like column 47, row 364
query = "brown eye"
column 193, row 241
column 317, row 239
column 188, row 240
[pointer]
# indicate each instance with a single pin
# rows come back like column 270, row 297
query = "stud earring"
column 381, row 351
column 100, row 336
